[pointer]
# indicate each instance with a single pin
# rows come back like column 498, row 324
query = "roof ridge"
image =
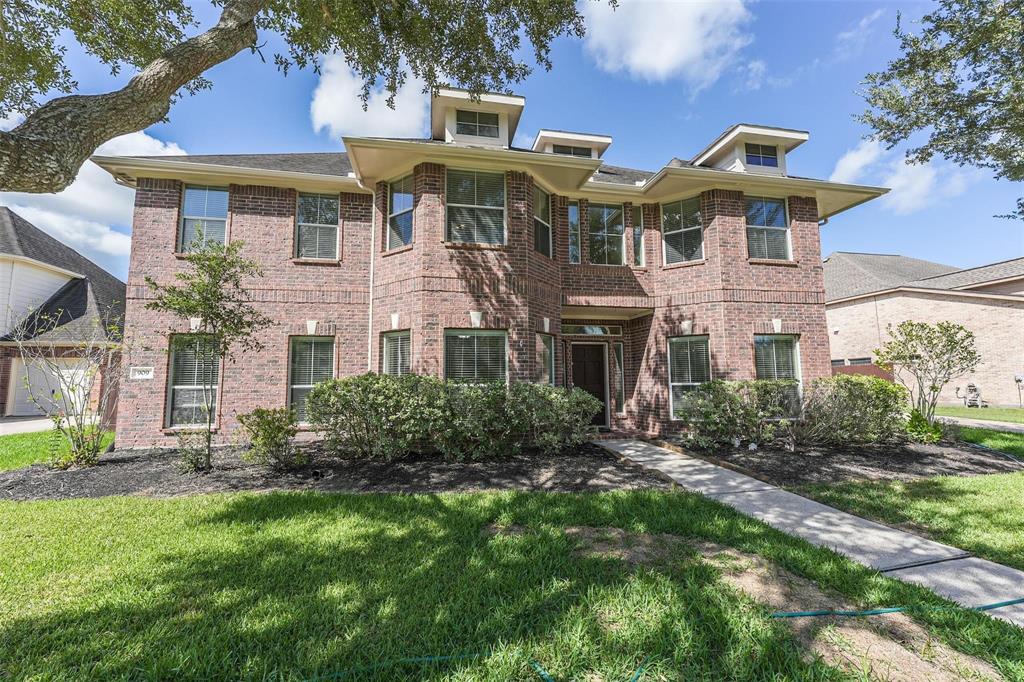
column 976, row 267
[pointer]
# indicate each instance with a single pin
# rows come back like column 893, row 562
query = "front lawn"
column 24, row 449
column 292, row 586
column 1004, row 441
column 1014, row 415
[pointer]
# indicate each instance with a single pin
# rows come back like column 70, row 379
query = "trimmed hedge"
column 731, row 412
column 849, row 408
column 383, row 417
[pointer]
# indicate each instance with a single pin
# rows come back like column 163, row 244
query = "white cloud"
column 755, row 74
column 84, row 215
column 851, row 42
column 656, row 40
column 11, row 120
column 855, row 162
column 917, row 187
column 337, row 108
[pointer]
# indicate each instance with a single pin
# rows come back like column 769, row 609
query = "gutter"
column 923, row 290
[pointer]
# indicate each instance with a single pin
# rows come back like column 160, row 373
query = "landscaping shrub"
column 383, row 417
column 271, row 435
column 920, row 430
column 731, row 412
column 852, row 409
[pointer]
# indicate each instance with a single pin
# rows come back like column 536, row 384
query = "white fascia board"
column 788, row 138
column 953, row 293
column 544, row 136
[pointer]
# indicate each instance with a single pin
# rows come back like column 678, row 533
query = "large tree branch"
column 45, row 152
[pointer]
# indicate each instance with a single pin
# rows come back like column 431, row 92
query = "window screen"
column 317, row 226
column 474, row 355
column 542, row 221
column 397, row 353
column 689, row 365
column 682, row 231
column 204, row 217
column 606, row 234
column 400, row 199
column 195, row 369
column 312, row 361
column 476, row 207
column 767, row 228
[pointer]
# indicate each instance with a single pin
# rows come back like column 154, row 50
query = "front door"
column 589, row 372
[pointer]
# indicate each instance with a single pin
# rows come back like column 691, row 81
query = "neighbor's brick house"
column 463, row 256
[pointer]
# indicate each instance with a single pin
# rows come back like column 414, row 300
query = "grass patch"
column 291, row 586
column 1004, row 441
column 24, row 449
column 1014, row 415
column 976, row 513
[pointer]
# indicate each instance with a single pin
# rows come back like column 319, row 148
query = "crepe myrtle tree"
column 925, row 357
column 956, row 89
column 71, row 374
column 209, row 295
column 474, row 43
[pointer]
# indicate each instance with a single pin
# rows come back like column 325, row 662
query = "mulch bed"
column 904, row 462
column 157, row 473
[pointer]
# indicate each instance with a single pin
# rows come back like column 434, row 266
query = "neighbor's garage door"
column 45, row 389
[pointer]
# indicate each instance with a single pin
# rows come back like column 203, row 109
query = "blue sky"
column 662, row 78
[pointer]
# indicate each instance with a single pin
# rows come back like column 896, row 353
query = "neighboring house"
column 43, row 282
column 465, row 257
column 866, row 292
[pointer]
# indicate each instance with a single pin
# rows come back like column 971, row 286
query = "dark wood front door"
column 588, row 373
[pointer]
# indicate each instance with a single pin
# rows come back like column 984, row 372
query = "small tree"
column 925, row 357
column 209, row 295
column 74, row 365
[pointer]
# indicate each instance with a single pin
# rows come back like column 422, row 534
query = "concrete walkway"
column 11, row 425
column 948, row 571
column 985, row 424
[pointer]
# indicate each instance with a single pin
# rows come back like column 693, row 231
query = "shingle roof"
column 974, row 276
column 324, row 163
column 620, row 175
column 96, row 297
column 851, row 274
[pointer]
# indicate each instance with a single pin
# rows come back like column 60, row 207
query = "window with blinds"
column 400, row 198
column 478, row 123
column 547, row 359
column 620, row 377
column 192, row 385
column 317, row 227
column 397, row 357
column 607, row 238
column 638, row 235
column 204, row 217
column 574, row 232
column 682, row 231
column 767, row 228
column 475, row 355
column 312, row 361
column 542, row 221
column 777, row 357
column 689, row 366
column 476, row 207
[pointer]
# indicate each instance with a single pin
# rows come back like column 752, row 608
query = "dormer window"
column 568, row 150
column 476, row 123
column 762, row 155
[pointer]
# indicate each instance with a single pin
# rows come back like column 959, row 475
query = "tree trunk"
column 45, row 152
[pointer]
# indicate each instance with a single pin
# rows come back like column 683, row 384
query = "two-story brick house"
column 464, row 256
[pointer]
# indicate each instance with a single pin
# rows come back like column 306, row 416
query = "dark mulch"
column 905, row 462
column 158, row 474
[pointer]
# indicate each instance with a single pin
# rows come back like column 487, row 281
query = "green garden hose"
column 895, row 609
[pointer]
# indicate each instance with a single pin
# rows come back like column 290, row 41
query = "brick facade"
column 433, row 285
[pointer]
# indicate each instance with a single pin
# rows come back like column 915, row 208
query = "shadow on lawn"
column 292, row 586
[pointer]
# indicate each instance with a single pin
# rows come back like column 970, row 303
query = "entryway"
column 590, row 372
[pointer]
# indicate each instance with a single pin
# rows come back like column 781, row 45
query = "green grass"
column 1012, row 443
column 24, row 449
column 1013, row 415
column 291, row 586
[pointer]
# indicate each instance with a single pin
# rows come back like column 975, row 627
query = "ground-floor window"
column 192, row 384
column 547, row 359
column 620, row 378
column 689, row 366
column 475, row 355
column 312, row 361
column 778, row 357
column 397, row 353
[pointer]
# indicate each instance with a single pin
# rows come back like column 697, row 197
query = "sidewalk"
column 12, row 425
column 947, row 571
column 984, row 424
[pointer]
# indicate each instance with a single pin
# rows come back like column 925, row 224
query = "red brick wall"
column 432, row 285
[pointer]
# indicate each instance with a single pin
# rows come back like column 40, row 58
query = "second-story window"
column 542, row 221
column 574, row 232
column 204, row 217
column 762, row 155
column 478, row 123
column 400, row 213
column 317, row 227
column 638, row 235
column 476, row 207
column 567, row 150
column 682, row 231
column 607, row 236
column 767, row 228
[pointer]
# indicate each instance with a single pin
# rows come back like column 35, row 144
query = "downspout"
column 369, row 326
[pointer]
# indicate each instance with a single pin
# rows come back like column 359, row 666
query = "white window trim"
column 711, row 371
column 291, row 350
column 760, row 155
column 619, row 349
column 547, row 223
column 797, row 369
column 496, row 136
column 546, row 339
column 682, row 229
column 785, row 210
column 169, row 398
column 458, row 331
column 578, row 231
column 503, row 209
column 643, row 256
column 387, row 336
column 411, row 210
column 337, row 229
column 622, row 208
column 181, row 246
